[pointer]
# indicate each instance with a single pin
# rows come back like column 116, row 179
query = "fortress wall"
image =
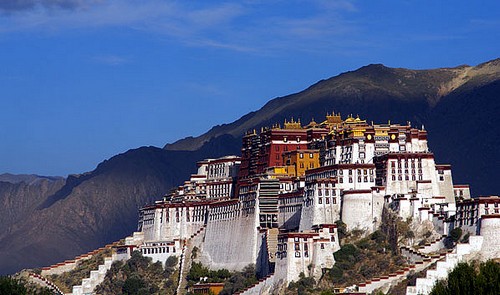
column 289, row 217
column 322, row 257
column 446, row 186
column 306, row 217
column 281, row 270
column 231, row 243
column 377, row 207
column 326, row 213
column 357, row 210
column 490, row 227
column 321, row 210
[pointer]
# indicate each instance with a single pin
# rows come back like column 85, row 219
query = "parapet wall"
column 69, row 265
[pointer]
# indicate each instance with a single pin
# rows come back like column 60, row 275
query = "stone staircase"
column 186, row 260
column 69, row 265
column 384, row 283
column 96, row 277
column 417, row 262
column 272, row 243
column 263, row 286
column 44, row 282
column 434, row 246
column 413, row 256
column 460, row 253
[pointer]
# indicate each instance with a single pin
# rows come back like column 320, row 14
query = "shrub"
column 239, row 280
column 139, row 275
column 341, row 229
column 378, row 236
column 303, row 284
column 132, row 285
column 455, row 234
column 348, row 252
column 465, row 238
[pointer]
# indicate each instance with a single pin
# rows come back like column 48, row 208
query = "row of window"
column 406, row 163
column 293, row 200
column 327, row 200
column 359, row 171
column 364, row 179
column 407, row 177
column 157, row 250
column 327, row 192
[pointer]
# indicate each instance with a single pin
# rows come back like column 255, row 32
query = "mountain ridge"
column 373, row 77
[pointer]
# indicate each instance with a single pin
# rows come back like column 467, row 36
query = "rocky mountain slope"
column 49, row 220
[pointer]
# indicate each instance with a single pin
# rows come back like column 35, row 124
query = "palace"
column 278, row 205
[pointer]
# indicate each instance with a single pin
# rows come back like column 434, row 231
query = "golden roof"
column 292, row 124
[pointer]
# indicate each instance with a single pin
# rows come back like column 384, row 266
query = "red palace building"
column 264, row 150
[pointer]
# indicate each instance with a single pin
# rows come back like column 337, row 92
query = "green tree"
column 462, row 280
column 489, row 277
column 467, row 279
column 12, row 286
column 440, row 288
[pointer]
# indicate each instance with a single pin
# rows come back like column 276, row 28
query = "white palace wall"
column 357, row 210
column 320, row 212
column 490, row 227
column 231, row 243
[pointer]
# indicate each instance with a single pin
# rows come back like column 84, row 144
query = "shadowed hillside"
column 98, row 207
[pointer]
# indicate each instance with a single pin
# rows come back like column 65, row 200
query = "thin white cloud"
column 111, row 60
column 205, row 88
column 245, row 26
column 18, row 6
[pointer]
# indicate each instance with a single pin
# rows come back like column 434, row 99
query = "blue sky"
column 83, row 80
